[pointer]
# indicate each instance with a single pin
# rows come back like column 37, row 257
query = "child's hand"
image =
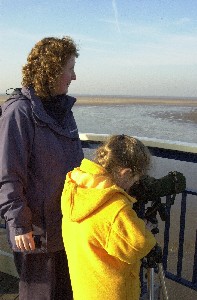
column 150, row 226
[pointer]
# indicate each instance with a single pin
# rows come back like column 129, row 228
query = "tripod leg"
column 150, row 273
column 162, row 282
column 152, row 286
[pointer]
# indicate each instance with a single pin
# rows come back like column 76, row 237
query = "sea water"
column 152, row 121
column 137, row 120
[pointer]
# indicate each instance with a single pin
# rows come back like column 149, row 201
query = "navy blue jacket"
column 36, row 152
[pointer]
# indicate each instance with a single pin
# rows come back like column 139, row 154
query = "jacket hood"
column 29, row 93
column 13, row 97
column 86, row 189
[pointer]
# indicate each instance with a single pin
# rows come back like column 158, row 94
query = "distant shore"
column 95, row 100
column 145, row 101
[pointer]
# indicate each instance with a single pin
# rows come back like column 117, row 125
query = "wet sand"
column 191, row 117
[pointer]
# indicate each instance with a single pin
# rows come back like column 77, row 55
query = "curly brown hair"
column 45, row 63
column 122, row 151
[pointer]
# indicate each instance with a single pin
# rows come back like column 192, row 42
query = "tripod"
column 152, row 262
column 151, row 189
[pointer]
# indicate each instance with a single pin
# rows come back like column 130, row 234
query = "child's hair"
column 45, row 63
column 122, row 151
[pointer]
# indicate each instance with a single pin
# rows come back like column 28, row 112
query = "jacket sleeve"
column 16, row 135
column 128, row 239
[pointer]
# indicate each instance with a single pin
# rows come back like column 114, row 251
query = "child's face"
column 126, row 179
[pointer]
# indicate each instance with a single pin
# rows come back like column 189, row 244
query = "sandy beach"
column 92, row 100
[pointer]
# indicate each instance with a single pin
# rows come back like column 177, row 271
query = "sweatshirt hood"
column 86, row 189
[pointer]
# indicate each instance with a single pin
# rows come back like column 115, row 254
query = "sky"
column 126, row 47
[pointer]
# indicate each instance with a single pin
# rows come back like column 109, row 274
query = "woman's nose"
column 74, row 76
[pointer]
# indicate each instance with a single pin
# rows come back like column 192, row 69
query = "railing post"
column 194, row 277
column 181, row 234
column 166, row 232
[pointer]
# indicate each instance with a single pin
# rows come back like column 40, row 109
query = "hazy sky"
column 127, row 47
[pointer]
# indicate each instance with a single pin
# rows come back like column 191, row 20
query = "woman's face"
column 64, row 79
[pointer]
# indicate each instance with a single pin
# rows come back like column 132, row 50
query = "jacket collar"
column 38, row 108
column 42, row 118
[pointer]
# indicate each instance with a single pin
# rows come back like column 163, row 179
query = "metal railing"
column 180, row 256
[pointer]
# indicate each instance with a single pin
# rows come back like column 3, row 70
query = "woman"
column 39, row 145
column 103, row 237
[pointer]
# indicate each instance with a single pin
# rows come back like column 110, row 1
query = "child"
column 103, row 237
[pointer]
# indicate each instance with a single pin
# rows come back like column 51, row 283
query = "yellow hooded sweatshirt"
column 103, row 237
